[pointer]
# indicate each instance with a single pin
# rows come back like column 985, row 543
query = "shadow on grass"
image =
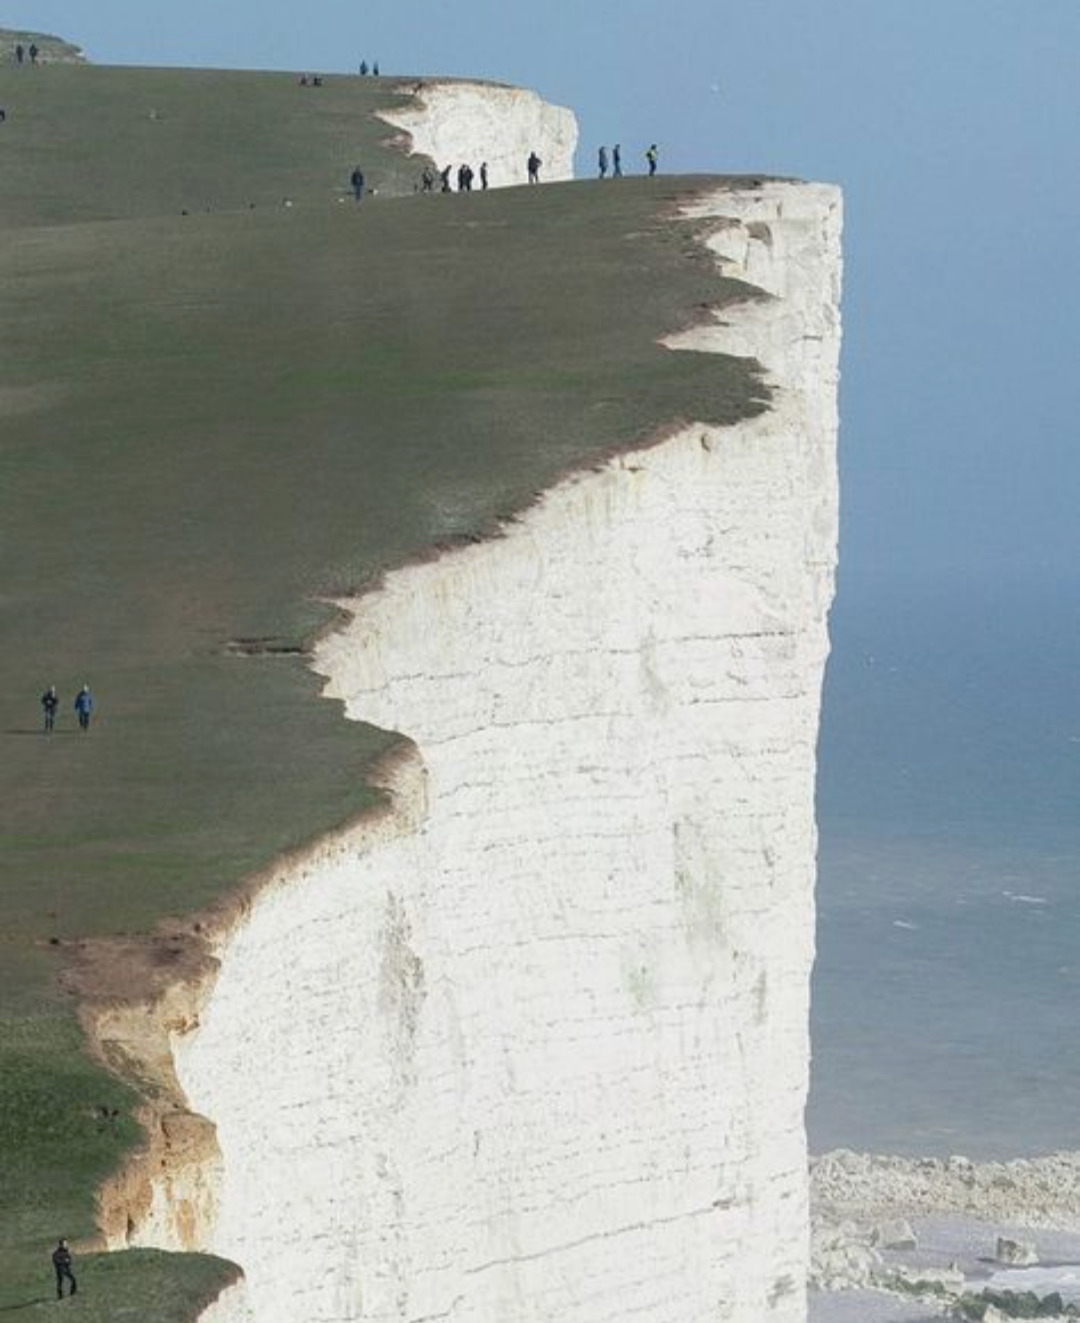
column 26, row 1304
column 56, row 734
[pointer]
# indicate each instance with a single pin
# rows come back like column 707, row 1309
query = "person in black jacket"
column 61, row 1257
column 49, row 703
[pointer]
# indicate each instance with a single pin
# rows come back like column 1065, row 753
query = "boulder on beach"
column 1016, row 1253
column 896, row 1234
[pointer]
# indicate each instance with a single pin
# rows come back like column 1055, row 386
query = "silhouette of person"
column 33, row 53
column 483, row 175
column 49, row 703
column 652, row 156
column 356, row 179
column 534, row 163
column 444, row 180
column 61, row 1257
column 616, row 162
column 363, row 68
column 602, row 160
column 19, row 53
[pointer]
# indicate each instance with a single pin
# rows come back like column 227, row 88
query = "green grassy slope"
column 209, row 423
column 88, row 142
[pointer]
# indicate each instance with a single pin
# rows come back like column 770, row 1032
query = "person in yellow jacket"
column 652, row 156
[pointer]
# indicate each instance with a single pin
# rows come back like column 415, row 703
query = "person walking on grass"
column 61, row 1257
column 602, row 161
column 484, row 175
column 33, row 53
column 652, row 156
column 534, row 163
column 356, row 179
column 84, row 706
column 49, row 703
column 616, row 162
column 19, row 53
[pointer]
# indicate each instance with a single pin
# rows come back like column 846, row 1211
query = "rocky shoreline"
column 901, row 1240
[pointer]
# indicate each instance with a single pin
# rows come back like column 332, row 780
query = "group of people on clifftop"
column 603, row 161
column 466, row 175
column 442, row 181
column 25, row 54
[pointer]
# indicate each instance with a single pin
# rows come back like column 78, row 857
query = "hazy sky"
column 952, row 126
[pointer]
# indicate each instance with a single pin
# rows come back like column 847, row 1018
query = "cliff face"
column 457, row 122
column 534, row 1045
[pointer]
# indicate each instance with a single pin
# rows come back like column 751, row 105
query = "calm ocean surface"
column 946, row 1012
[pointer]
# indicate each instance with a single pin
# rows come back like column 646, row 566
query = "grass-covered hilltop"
column 220, row 411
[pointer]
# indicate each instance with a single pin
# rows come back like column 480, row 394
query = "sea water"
column 946, row 1008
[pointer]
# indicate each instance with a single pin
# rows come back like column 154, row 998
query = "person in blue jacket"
column 84, row 706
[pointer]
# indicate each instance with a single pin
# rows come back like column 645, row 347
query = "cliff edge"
column 489, row 1003
column 537, row 1047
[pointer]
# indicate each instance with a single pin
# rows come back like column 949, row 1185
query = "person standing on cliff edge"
column 61, row 1258
column 652, row 156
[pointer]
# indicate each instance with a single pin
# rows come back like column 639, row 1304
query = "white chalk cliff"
column 455, row 122
column 534, row 1045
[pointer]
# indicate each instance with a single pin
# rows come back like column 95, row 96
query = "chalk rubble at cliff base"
column 975, row 1225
